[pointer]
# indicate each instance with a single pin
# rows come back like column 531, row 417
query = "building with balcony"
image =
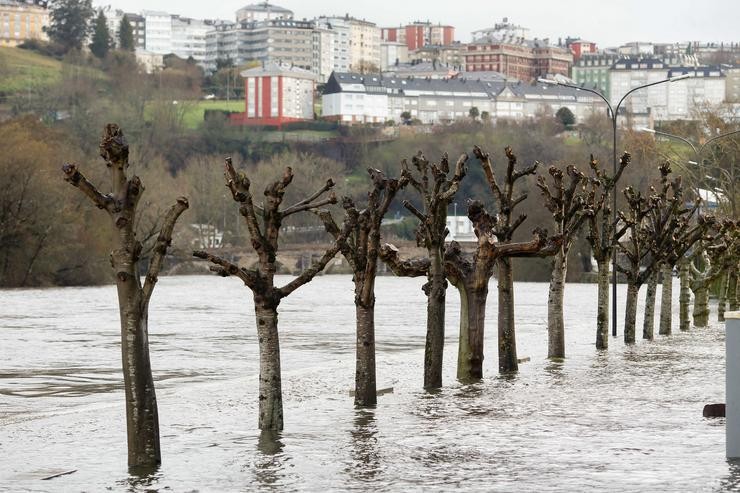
column 263, row 11
column 22, row 21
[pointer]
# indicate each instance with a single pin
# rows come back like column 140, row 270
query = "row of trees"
column 658, row 227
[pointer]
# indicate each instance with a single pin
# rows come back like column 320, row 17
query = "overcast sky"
column 606, row 22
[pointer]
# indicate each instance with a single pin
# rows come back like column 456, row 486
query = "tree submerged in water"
column 261, row 279
column 133, row 299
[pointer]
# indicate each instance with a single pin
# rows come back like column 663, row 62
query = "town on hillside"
column 349, row 70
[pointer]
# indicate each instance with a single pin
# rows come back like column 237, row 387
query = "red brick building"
column 521, row 59
column 579, row 47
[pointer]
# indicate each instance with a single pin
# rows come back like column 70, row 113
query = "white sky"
column 606, row 22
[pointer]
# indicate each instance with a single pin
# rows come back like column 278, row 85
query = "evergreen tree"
column 101, row 40
column 565, row 116
column 126, row 35
column 69, row 22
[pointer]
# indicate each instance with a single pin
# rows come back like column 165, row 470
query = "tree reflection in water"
column 365, row 463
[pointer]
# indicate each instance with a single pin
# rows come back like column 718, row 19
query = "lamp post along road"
column 613, row 114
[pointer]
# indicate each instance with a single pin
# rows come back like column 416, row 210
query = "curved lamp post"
column 697, row 154
column 613, row 113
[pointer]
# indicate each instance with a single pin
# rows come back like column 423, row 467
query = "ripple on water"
column 625, row 419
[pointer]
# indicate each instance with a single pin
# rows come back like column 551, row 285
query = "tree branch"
column 163, row 242
column 77, row 179
column 249, row 277
column 415, row 267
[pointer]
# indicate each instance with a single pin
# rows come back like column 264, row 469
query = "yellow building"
column 20, row 21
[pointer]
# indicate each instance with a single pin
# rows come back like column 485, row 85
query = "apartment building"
column 356, row 98
column 262, row 11
column 452, row 55
column 364, row 45
column 157, row 31
column 189, row 38
column 276, row 40
column 663, row 102
column 277, row 93
column 504, row 48
column 392, row 54
column 592, row 70
column 419, row 34
column 137, row 22
column 21, row 21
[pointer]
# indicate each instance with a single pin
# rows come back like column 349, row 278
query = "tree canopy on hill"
column 70, row 23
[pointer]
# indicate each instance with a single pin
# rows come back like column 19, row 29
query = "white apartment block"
column 364, row 45
column 393, row 53
column 356, row 98
column 158, row 32
column 663, row 102
column 339, row 46
column 189, row 38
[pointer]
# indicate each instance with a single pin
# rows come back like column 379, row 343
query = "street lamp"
column 697, row 154
column 614, row 111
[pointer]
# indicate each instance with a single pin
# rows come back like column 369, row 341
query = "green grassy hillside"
column 21, row 69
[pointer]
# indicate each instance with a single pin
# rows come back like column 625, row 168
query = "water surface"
column 628, row 419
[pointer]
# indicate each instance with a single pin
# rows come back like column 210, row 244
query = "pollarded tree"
column 505, row 226
column 142, row 422
column 261, row 279
column 570, row 206
column 470, row 274
column 601, row 238
column 651, row 223
column 718, row 255
column 436, row 190
column 359, row 242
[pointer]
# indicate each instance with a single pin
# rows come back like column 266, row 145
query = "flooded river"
column 624, row 420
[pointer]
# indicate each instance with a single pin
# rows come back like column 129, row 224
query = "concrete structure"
column 592, row 70
column 21, row 21
column 448, row 55
column 460, row 229
column 339, row 47
column 419, row 34
column 364, row 46
column 732, row 84
column 580, row 47
column 663, row 102
column 732, row 384
column 157, row 32
column 505, row 49
column 429, row 70
column 275, row 94
column 270, row 41
column 356, row 98
column 137, row 22
column 392, row 54
column 150, row 61
column 262, row 11
column 189, row 38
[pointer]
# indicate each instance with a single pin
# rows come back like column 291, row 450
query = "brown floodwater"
column 629, row 419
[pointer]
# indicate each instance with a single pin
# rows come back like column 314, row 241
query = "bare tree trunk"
column 701, row 307
column 722, row 298
column 434, row 348
column 507, row 358
column 602, row 318
column 630, row 315
column 472, row 325
column 270, row 384
column 732, row 291
column 555, row 323
column 666, row 301
column 648, row 325
column 142, row 421
column 685, row 295
column 365, row 384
